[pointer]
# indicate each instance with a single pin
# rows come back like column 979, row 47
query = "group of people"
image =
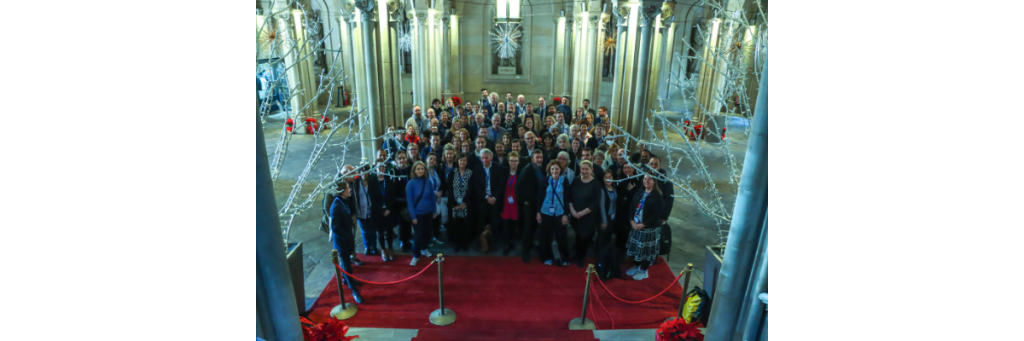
column 487, row 175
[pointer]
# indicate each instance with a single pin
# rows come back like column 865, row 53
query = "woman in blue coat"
column 421, row 198
column 344, row 240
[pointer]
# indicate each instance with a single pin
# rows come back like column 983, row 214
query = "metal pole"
column 582, row 323
column 440, row 284
column 749, row 215
column 342, row 311
column 686, row 286
column 682, row 300
column 441, row 317
column 686, row 279
column 277, row 313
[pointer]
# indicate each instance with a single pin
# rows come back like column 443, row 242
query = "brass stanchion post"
column 582, row 323
column 344, row 310
column 442, row 316
column 686, row 285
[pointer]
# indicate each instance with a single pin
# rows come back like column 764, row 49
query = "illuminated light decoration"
column 404, row 40
column 505, row 39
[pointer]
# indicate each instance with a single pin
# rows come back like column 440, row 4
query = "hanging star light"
column 609, row 45
column 505, row 39
column 404, row 40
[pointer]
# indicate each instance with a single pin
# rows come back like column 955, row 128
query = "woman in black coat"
column 645, row 213
column 609, row 209
column 584, row 207
column 462, row 197
column 382, row 195
column 626, row 189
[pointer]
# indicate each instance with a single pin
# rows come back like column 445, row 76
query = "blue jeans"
column 345, row 243
column 366, row 229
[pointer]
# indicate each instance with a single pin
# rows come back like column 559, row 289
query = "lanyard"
column 640, row 208
column 554, row 189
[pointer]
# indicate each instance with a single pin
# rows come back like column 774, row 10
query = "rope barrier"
column 643, row 301
column 598, row 298
column 387, row 283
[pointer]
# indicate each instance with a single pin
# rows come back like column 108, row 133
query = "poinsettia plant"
column 678, row 330
column 456, row 100
column 332, row 330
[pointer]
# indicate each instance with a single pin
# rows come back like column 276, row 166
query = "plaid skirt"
column 644, row 244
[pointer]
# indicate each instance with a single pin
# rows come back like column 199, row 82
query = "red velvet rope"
column 594, row 290
column 386, row 283
column 643, row 301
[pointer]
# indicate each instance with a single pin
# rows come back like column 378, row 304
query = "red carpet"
column 499, row 293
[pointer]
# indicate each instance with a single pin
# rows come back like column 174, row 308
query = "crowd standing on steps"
column 490, row 175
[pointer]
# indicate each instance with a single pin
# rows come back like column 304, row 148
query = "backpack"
column 325, row 220
column 697, row 306
column 608, row 265
column 665, row 242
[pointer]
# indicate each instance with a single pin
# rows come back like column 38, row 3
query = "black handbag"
column 665, row 242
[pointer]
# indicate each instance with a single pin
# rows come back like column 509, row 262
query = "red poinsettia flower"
column 332, row 330
column 456, row 100
column 557, row 99
column 678, row 330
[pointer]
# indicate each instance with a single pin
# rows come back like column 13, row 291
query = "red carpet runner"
column 499, row 293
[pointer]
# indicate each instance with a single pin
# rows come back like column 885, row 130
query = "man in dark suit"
column 490, row 181
column 564, row 107
column 527, row 187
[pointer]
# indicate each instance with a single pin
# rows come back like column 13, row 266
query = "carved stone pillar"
column 647, row 20
column 389, row 91
column 427, row 54
column 368, row 99
column 585, row 58
column 622, row 81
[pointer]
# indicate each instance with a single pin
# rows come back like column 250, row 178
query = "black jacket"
column 473, row 195
column 653, row 206
column 385, row 202
column 626, row 197
column 528, row 184
column 667, row 191
column 498, row 178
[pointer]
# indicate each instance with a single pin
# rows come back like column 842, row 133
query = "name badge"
column 510, row 200
column 551, row 210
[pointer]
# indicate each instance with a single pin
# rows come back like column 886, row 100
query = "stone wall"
column 538, row 53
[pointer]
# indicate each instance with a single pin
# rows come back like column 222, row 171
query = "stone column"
column 306, row 76
column 648, row 18
column 665, row 67
column 389, row 95
column 660, row 49
column 454, row 74
column 622, row 82
column 711, row 83
column 346, row 30
column 561, row 73
column 368, row 99
column 427, row 71
column 746, row 229
column 585, row 53
column 567, row 60
column 277, row 316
